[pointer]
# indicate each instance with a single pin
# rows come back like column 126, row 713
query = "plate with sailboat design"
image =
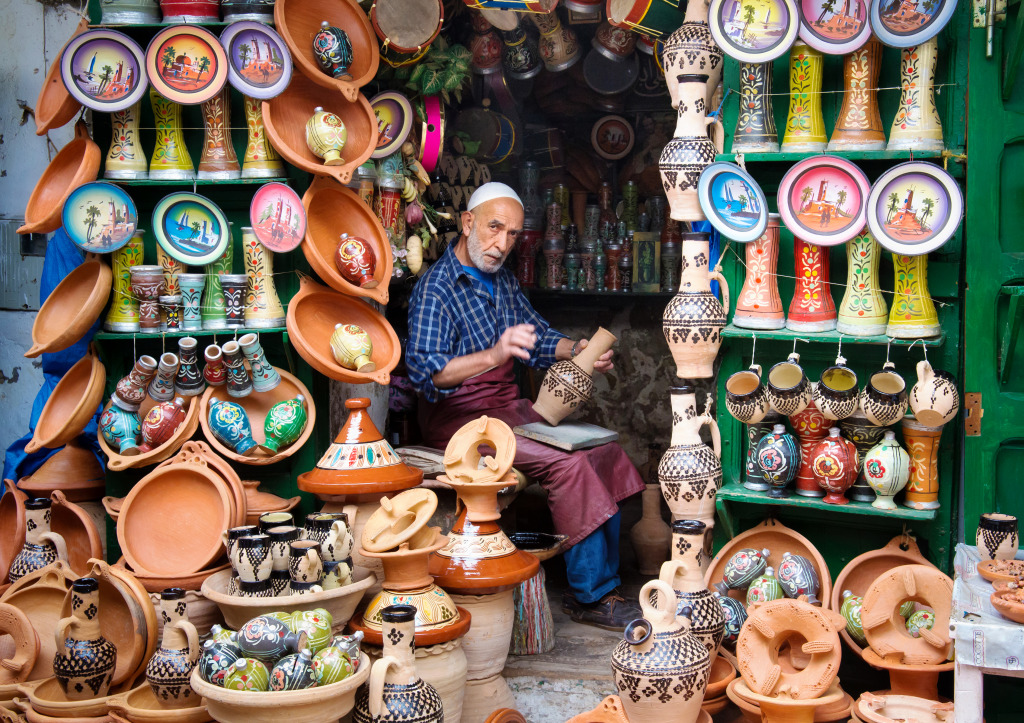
column 104, row 70
column 914, row 208
column 754, row 31
column 733, row 202
column 191, row 228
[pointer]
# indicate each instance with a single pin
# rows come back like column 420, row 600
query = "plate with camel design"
column 822, row 200
column 186, row 64
column 914, row 208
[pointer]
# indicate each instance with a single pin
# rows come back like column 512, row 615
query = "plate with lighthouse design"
column 835, row 27
column 104, row 70
column 733, row 202
column 278, row 217
column 914, row 208
column 754, row 31
column 822, row 200
column 191, row 228
column 904, row 23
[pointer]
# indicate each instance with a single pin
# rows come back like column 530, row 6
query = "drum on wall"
column 525, row 6
column 406, row 27
column 655, row 18
column 491, row 133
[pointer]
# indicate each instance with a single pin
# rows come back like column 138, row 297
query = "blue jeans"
column 592, row 565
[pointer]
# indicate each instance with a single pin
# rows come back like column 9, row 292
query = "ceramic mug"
column 789, row 392
column 304, row 561
column 281, row 537
column 230, row 536
column 997, row 536
column 745, row 397
column 836, row 394
column 251, row 558
column 884, row 398
column 276, row 519
column 305, row 588
column 258, row 588
column 337, row 574
column 333, row 533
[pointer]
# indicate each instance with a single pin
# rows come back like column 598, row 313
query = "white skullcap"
column 489, row 192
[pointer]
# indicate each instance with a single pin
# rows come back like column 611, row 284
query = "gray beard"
column 481, row 260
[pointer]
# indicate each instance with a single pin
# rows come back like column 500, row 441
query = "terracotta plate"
column 901, row 25
column 754, row 32
column 186, row 64
column 395, row 116
column 278, row 217
column 914, row 208
column 834, row 28
column 733, row 202
column 191, row 228
column 822, row 200
column 259, row 62
column 100, row 217
column 1005, row 603
column 986, row 568
column 104, row 70
column 612, row 137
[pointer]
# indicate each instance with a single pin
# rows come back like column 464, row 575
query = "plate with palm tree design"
column 754, row 31
column 186, row 64
column 914, row 208
column 191, row 228
column 259, row 62
column 836, row 27
column 104, row 70
column 822, row 200
column 904, row 23
column 733, row 202
column 100, row 217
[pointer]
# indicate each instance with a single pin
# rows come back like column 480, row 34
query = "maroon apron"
column 584, row 487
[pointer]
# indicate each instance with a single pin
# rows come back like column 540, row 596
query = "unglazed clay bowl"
column 140, row 705
column 722, row 673
column 74, row 470
column 333, row 209
column 157, row 583
column 298, row 21
column 186, row 429
column 72, row 307
column 79, row 531
column 71, row 405
column 323, row 703
column 197, row 452
column 833, row 713
column 285, row 119
column 12, row 522
column 33, row 716
column 312, row 315
column 257, row 502
column 256, row 406
column 40, row 595
column 47, row 698
column 55, row 106
column 78, row 162
column 1006, row 606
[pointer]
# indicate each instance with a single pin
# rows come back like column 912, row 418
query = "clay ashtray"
column 117, row 462
column 1008, row 604
column 299, row 21
column 312, row 315
column 257, row 502
column 74, row 470
column 286, row 115
column 77, row 163
column 12, row 522
column 333, row 209
column 1001, row 570
column 55, row 106
column 886, row 630
column 71, row 405
column 79, row 531
column 40, row 596
column 140, row 705
column 256, row 406
column 22, row 645
column 71, row 308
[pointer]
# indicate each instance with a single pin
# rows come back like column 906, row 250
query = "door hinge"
column 972, row 425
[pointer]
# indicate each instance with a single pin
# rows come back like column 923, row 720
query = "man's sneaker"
column 612, row 612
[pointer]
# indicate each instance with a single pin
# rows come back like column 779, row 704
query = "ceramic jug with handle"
column 935, row 398
column 170, row 668
column 690, row 472
column 41, row 545
column 85, row 660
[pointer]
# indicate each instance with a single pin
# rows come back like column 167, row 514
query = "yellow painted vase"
column 124, row 309
column 212, row 308
column 805, row 126
column 263, row 308
column 261, row 160
column 171, row 160
column 326, row 135
column 916, row 125
column 125, row 158
column 352, row 347
column 913, row 314
column 863, row 311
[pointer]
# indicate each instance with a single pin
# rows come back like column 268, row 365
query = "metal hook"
column 839, row 351
column 753, row 348
column 888, row 346
column 924, row 347
column 795, row 340
column 135, row 352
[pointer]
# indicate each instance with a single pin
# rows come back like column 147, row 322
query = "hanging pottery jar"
column 170, row 668
column 690, row 472
column 239, row 382
column 41, row 545
column 569, row 384
column 858, row 429
column 230, row 425
column 805, row 126
column 120, row 429
column 997, row 537
column 858, row 125
column 755, row 124
column 260, row 160
column 753, row 480
column 189, row 381
column 884, row 397
column 559, row 47
column 689, row 152
column 263, row 308
column 218, row 160
column 923, row 445
column 693, row 320
column 685, row 574
column 123, row 314
column 191, row 295
column 146, row 284
column 212, row 309
column 651, row 536
column 170, row 160
column 130, row 391
column 759, row 305
column 917, row 125
column 913, row 314
column 356, row 261
column 863, row 311
column 834, row 465
column 129, row 12
column 161, row 388
column 836, row 394
column 934, row 399
column 692, row 49
column 214, row 372
column 352, row 348
column 812, row 308
column 85, row 660
column 778, row 458
column 264, row 376
column 809, row 427
column 125, row 158
column 887, row 470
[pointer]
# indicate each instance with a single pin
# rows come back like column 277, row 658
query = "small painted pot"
column 304, row 562
column 332, row 49
column 220, row 634
column 233, row 287
column 850, row 610
column 789, row 392
column 326, row 136
column 921, row 620
column 218, row 657
column 170, row 312
column 356, row 261
column 230, row 536
column 264, row 376
column 735, row 614
column 277, row 519
column 293, row 672
column 333, row 533
column 281, row 536
column 280, row 581
column 251, row 558
column 192, row 286
column 239, row 381
column 317, row 626
column 742, row 569
column 745, row 397
column 836, row 394
column 887, row 470
column 797, row 577
column 935, row 398
column 259, row 588
column 884, row 398
column 120, row 428
column 214, row 372
column 777, row 456
column 130, row 391
column 189, row 380
column 247, row 674
column 161, row 388
column 331, row 665
column 765, row 588
column 268, row 639
column 160, row 424
column 997, row 536
column 352, row 348
column 833, row 463
column 284, row 423
column 230, row 424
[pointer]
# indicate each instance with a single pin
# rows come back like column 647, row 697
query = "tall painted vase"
column 218, row 160
column 916, row 125
column 809, row 427
column 260, row 160
column 759, row 305
column 805, row 126
column 913, row 314
column 170, row 160
column 755, row 126
column 125, row 157
column 42, row 547
column 263, row 308
column 685, row 573
column 689, row 152
column 859, row 125
column 213, row 309
column 922, row 444
column 123, row 314
column 812, row 308
column 690, row 472
column 863, row 311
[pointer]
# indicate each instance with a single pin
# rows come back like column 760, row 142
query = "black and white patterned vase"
column 85, row 660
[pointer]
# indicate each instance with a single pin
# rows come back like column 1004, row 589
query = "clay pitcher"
column 41, row 545
column 170, row 668
column 692, row 49
column 650, row 536
column 935, row 399
column 85, row 660
column 660, row 668
column 569, row 383
column 689, row 152
column 690, row 472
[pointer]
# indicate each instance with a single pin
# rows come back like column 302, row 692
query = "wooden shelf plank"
column 197, row 333
column 733, row 491
column 195, row 181
column 851, row 155
column 828, row 337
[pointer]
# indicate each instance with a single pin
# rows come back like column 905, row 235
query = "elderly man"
column 468, row 323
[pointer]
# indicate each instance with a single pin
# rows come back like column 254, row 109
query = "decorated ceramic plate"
column 104, row 70
column 259, row 63
column 278, row 217
column 836, row 27
column 100, row 217
column 733, row 202
column 186, row 64
column 191, row 228
column 914, row 208
column 612, row 137
column 394, row 121
column 822, row 200
column 903, row 23
column 754, row 31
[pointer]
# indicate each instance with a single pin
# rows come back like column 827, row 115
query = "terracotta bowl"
column 202, row 613
column 77, row 163
column 312, row 314
column 722, row 673
column 285, row 118
column 987, row 569
column 71, row 405
column 118, row 462
column 156, row 584
column 79, row 531
column 543, row 546
column 74, row 470
column 298, row 21
column 340, row 602
column 256, row 406
column 140, row 705
column 256, row 502
column 333, row 209
column 1009, row 609
column 55, row 106
column 840, row 711
column 197, row 452
column 47, row 698
column 40, row 595
column 12, row 522
column 72, row 307
column 33, row 716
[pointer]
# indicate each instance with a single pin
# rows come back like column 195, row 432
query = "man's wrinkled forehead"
column 505, row 211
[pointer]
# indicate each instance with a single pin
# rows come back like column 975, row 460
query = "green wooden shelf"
column 601, row 294
column 791, row 157
column 196, row 181
column 122, row 335
column 827, row 337
column 160, row 26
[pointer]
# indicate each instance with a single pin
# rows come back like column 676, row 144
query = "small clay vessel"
column 147, row 282
column 734, row 613
column 214, row 372
column 764, row 588
column 239, row 381
column 569, row 383
column 690, row 472
column 317, row 625
column 352, row 348
column 884, row 397
column 130, row 391
column 251, row 558
column 161, row 388
column 684, row 574
column 332, row 50
column 331, row 530
column 189, row 382
column 120, row 429
column 42, row 546
column 797, row 577
column 233, row 288
column 293, row 672
column 356, row 261
column 169, row 669
column 160, row 424
column 935, row 398
column 304, row 562
column 834, row 465
column 264, row 376
column 887, row 470
column 651, row 536
column 333, row 664
column 85, row 660
column 284, row 423
column 230, row 424
column 192, row 286
column 997, row 537
column 742, row 568
column 218, row 656
column 268, row 639
column 248, row 674
column 778, row 457
column 850, row 610
column 326, row 136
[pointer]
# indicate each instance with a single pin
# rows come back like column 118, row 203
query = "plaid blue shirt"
column 452, row 314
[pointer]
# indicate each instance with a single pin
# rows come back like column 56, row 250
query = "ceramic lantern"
column 326, row 136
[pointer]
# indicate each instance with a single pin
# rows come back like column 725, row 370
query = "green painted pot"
column 331, row 665
column 247, row 674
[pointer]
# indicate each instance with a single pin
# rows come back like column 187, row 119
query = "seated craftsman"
column 468, row 322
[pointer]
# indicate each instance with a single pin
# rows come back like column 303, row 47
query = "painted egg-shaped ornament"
column 850, row 611
column 247, row 674
column 741, row 569
column 317, row 626
column 269, row 639
column 921, row 620
column 331, row 665
column 220, row 634
column 218, row 657
column 293, row 672
column 797, row 577
column 907, row 609
column 735, row 614
column 765, row 588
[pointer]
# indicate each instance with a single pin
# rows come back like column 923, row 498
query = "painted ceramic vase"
column 685, row 574
column 284, row 423
column 237, row 10
column 858, row 429
column 863, row 311
column 836, row 394
column 233, row 288
column 352, row 348
column 558, row 45
column 693, row 320
column 805, row 126
column 317, row 626
column 797, row 577
column 248, row 674
column 293, row 672
column 764, row 588
column 238, row 380
column 262, row 309
column 218, row 160
column 170, row 159
column 920, row 620
column 125, row 157
column 755, row 125
column 850, row 610
column 752, row 478
column 264, row 376
column 129, row 12
column 923, row 446
column 214, row 372
column 161, row 388
column 85, row 660
column 212, row 308
column 326, row 136
column 887, row 470
column 660, row 668
column 484, row 47
column 734, row 613
column 809, row 427
column 520, row 56
column 130, row 391
column 859, row 125
column 251, row 558
column 742, row 568
column 123, row 314
column 332, row 664
column 192, row 286
column 689, row 152
column 333, row 51
column 834, row 465
column 260, row 159
column 120, row 428
column 170, row 308
column 778, row 458
column 41, row 546
column 147, row 283
column 218, row 656
column 913, row 314
column 812, row 308
column 569, row 384
column 690, row 472
column 356, row 261
column 759, row 305
column 935, row 398
column 268, row 639
column 189, row 381
column 230, row 424
column 171, row 666
column 692, row 49
column 884, row 398
column 917, row 125
column 789, row 391
column 997, row 537
column 160, row 424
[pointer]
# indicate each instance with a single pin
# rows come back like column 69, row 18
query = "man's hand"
column 516, row 341
column 604, row 362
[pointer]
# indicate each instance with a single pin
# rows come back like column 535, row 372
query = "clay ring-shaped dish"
column 925, row 191
column 462, row 458
column 839, row 192
column 104, row 70
column 71, row 405
column 40, row 595
column 79, row 531
column 186, row 64
column 140, row 705
column 841, row 34
column 196, row 452
column 171, row 521
column 765, row 41
column 271, row 203
column 71, row 308
column 733, row 202
column 174, row 219
column 55, row 106
column 885, row 628
column 402, row 518
column 12, row 521
column 76, row 163
column 256, row 406
column 186, row 429
column 14, row 623
column 262, row 78
column 48, row 699
column 1005, row 603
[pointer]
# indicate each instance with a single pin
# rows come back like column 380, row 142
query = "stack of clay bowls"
column 74, row 470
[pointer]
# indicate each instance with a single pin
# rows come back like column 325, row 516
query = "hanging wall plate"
column 754, row 31
column 733, row 202
column 100, row 217
column 186, row 64
column 822, row 200
column 902, row 23
column 832, row 28
column 914, row 208
column 104, row 70
column 259, row 62
column 394, row 115
column 612, row 137
column 278, row 217
column 191, row 228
